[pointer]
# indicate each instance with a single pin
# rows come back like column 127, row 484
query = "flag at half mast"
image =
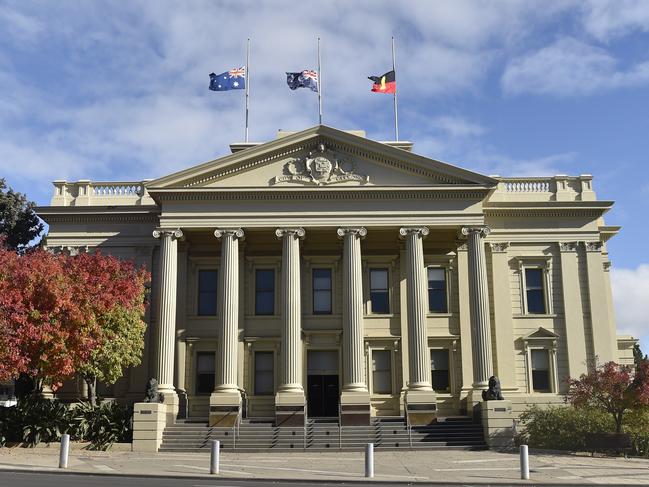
column 386, row 83
column 304, row 79
column 235, row 79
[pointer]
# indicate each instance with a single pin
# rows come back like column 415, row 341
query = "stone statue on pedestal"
column 493, row 393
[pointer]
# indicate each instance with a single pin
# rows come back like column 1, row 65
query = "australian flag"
column 235, row 79
column 305, row 79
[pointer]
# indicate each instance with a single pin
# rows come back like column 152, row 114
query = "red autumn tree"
column 43, row 332
column 614, row 388
column 111, row 294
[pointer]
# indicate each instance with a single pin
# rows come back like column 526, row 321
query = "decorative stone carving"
column 322, row 166
column 593, row 246
column 499, row 246
column 481, row 230
column 405, row 231
column 359, row 231
column 568, row 246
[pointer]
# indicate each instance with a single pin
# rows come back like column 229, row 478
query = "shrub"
column 35, row 420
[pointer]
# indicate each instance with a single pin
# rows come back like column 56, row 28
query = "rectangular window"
column 381, row 372
column 437, row 302
column 540, row 371
column 379, row 291
column 534, row 291
column 321, row 291
column 264, row 374
column 439, row 364
column 265, row 292
column 205, row 371
column 207, row 284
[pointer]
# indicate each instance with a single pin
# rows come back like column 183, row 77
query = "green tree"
column 19, row 224
column 638, row 356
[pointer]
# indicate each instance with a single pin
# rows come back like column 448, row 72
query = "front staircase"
column 324, row 434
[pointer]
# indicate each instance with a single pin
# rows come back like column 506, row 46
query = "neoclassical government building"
column 327, row 274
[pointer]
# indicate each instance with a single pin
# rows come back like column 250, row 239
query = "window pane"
column 379, row 279
column 439, row 364
column 540, row 370
column 436, row 274
column 322, row 302
column 207, row 287
column 265, row 292
column 437, row 302
column 535, row 301
column 205, row 371
column 534, row 278
column 381, row 372
column 540, row 360
column 264, row 373
column 380, row 302
column 321, row 278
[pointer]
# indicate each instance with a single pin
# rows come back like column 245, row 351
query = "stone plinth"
column 225, row 407
column 421, row 407
column 289, row 409
column 355, row 408
column 149, row 421
column 498, row 423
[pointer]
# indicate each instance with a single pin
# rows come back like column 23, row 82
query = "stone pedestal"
column 225, row 407
column 421, row 407
column 498, row 424
column 172, row 403
column 149, row 421
column 355, row 408
column 289, row 408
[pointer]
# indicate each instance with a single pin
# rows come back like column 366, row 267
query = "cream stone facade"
column 326, row 274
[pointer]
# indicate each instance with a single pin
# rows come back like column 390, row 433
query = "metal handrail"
column 408, row 425
column 305, row 422
column 340, row 427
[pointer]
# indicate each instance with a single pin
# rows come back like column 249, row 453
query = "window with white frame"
column 379, row 291
column 535, row 285
column 381, row 372
column 207, row 286
column 321, row 279
column 264, row 373
column 540, row 370
column 437, row 290
column 541, row 360
column 265, row 292
column 440, row 370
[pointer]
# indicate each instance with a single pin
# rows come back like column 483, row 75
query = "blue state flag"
column 305, row 79
column 235, row 79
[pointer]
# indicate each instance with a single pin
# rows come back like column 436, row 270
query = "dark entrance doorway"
column 322, row 383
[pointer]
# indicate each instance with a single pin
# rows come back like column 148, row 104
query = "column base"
column 355, row 408
column 170, row 400
column 473, row 403
column 498, row 423
column 421, row 407
column 224, row 409
column 289, row 409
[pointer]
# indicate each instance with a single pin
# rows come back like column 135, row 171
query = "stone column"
column 420, row 398
column 355, row 398
column 479, row 306
column 225, row 401
column 289, row 402
column 166, row 335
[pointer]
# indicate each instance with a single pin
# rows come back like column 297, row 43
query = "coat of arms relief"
column 321, row 166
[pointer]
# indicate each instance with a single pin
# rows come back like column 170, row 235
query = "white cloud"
column 631, row 299
column 570, row 67
column 607, row 19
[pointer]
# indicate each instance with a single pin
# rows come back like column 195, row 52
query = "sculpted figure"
column 494, row 392
column 152, row 394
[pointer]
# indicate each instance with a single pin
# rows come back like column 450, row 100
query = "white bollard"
column 525, row 463
column 369, row 460
column 65, row 450
column 214, row 457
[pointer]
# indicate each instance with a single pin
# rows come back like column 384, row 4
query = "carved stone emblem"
column 320, row 167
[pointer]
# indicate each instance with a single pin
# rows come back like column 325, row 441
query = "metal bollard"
column 525, row 463
column 369, row 460
column 214, row 457
column 65, row 450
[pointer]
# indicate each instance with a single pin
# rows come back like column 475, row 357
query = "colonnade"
column 354, row 377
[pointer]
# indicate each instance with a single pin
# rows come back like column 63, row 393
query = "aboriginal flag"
column 384, row 84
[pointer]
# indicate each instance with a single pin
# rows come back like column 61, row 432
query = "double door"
column 323, row 388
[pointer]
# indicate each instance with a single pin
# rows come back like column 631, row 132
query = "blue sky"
column 118, row 91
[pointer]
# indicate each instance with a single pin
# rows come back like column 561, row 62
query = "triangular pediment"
column 541, row 334
column 321, row 156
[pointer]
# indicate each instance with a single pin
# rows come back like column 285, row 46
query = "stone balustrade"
column 552, row 188
column 99, row 193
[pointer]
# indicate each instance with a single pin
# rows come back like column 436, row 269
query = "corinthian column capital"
column 481, row 230
column 168, row 232
column 357, row 231
column 405, row 231
column 298, row 232
column 229, row 232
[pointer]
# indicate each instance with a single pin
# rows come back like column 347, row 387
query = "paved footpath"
column 464, row 467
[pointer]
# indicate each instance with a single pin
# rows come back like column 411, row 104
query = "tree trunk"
column 618, row 423
column 91, row 381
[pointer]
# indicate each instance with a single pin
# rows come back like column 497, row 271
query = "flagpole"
column 319, row 86
column 394, row 68
column 247, row 80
